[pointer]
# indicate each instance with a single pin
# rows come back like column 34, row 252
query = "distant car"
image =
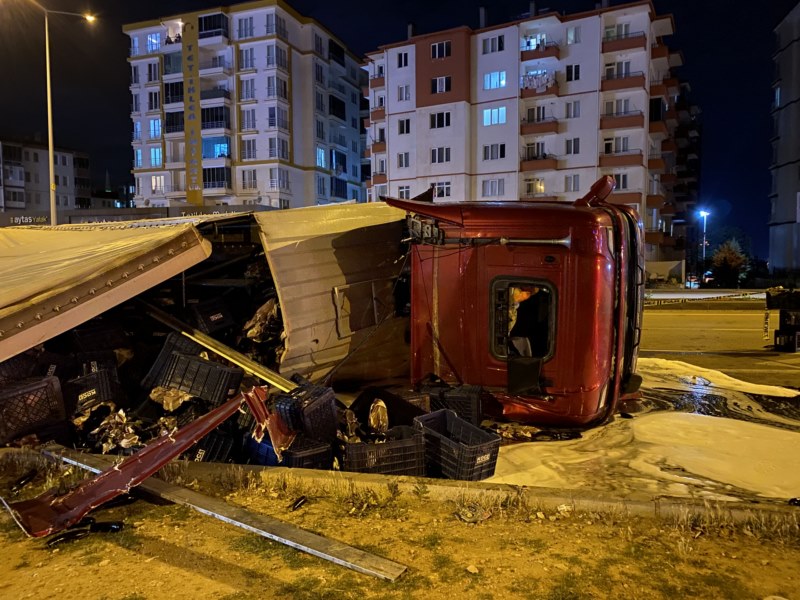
column 692, row 282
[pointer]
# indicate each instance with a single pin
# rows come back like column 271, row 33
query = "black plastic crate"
column 787, row 341
column 99, row 335
column 175, row 342
column 290, row 411
column 91, row 362
column 402, row 454
column 305, row 453
column 212, row 316
column 63, row 366
column 202, row 378
column 456, row 449
column 90, row 390
column 465, row 400
column 214, row 447
column 320, row 420
column 789, row 320
column 28, row 405
column 17, row 367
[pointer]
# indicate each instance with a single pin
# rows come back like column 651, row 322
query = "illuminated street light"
column 704, row 214
column 50, row 150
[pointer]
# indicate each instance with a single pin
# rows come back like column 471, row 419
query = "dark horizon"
column 730, row 75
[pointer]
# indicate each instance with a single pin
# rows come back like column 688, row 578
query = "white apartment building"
column 25, row 180
column 534, row 109
column 247, row 104
column 784, row 223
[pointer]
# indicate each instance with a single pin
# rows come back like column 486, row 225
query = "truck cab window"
column 522, row 324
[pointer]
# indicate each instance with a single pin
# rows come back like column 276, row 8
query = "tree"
column 730, row 264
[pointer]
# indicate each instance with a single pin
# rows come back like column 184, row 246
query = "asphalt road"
column 722, row 338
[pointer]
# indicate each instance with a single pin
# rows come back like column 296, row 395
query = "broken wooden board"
column 268, row 527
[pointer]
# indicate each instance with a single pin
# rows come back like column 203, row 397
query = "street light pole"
column 50, row 146
column 704, row 214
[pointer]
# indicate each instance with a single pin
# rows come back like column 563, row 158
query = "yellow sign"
column 192, row 128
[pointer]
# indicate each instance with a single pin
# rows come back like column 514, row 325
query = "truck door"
column 523, row 329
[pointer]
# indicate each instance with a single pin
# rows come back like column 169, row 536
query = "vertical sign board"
column 192, row 128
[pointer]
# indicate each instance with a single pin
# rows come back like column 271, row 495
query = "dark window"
column 337, row 107
column 217, row 177
column 216, row 117
column 335, row 52
column 338, row 188
column 173, row 92
column 213, row 25
column 173, row 122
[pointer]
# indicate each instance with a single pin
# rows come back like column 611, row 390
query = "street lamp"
column 704, row 214
column 50, row 150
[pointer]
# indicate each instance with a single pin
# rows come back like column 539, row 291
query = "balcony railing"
column 209, row 33
column 624, row 75
column 623, row 36
column 216, row 63
column 214, row 93
column 275, row 29
column 216, row 185
column 173, row 127
column 215, row 125
column 174, row 99
column 273, row 122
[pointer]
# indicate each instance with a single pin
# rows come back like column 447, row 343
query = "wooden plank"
column 265, row 526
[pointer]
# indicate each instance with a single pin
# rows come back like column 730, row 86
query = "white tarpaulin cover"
column 54, row 278
column 335, row 269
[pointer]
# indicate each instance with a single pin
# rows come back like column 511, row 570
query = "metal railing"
column 531, row 44
column 532, row 82
column 216, row 185
column 214, row 93
column 623, row 36
column 624, row 75
column 215, row 125
column 623, row 113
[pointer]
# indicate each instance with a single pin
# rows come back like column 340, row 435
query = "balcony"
column 539, row 127
column 673, row 86
column 174, row 160
column 626, row 41
column 622, row 81
column 658, row 128
column 529, row 51
column 626, row 158
column 655, row 200
column 668, row 178
column 659, row 52
column 538, row 197
column 671, row 117
column 175, row 99
column 536, row 86
column 377, row 81
column 175, row 190
column 622, row 120
column 215, row 93
column 172, row 129
column 378, row 147
column 378, row 178
column 542, row 162
column 377, row 114
column 213, row 188
column 656, row 164
column 623, row 197
column 653, row 237
column 658, row 90
column 669, row 145
column 215, row 125
column 216, row 67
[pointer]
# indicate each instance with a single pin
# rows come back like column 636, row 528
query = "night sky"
column 727, row 48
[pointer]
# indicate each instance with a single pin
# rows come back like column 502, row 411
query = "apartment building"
column 784, row 223
column 246, row 104
column 25, row 180
column 535, row 109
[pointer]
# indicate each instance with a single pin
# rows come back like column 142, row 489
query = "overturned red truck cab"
column 538, row 302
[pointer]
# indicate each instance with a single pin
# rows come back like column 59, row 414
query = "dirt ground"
column 517, row 549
